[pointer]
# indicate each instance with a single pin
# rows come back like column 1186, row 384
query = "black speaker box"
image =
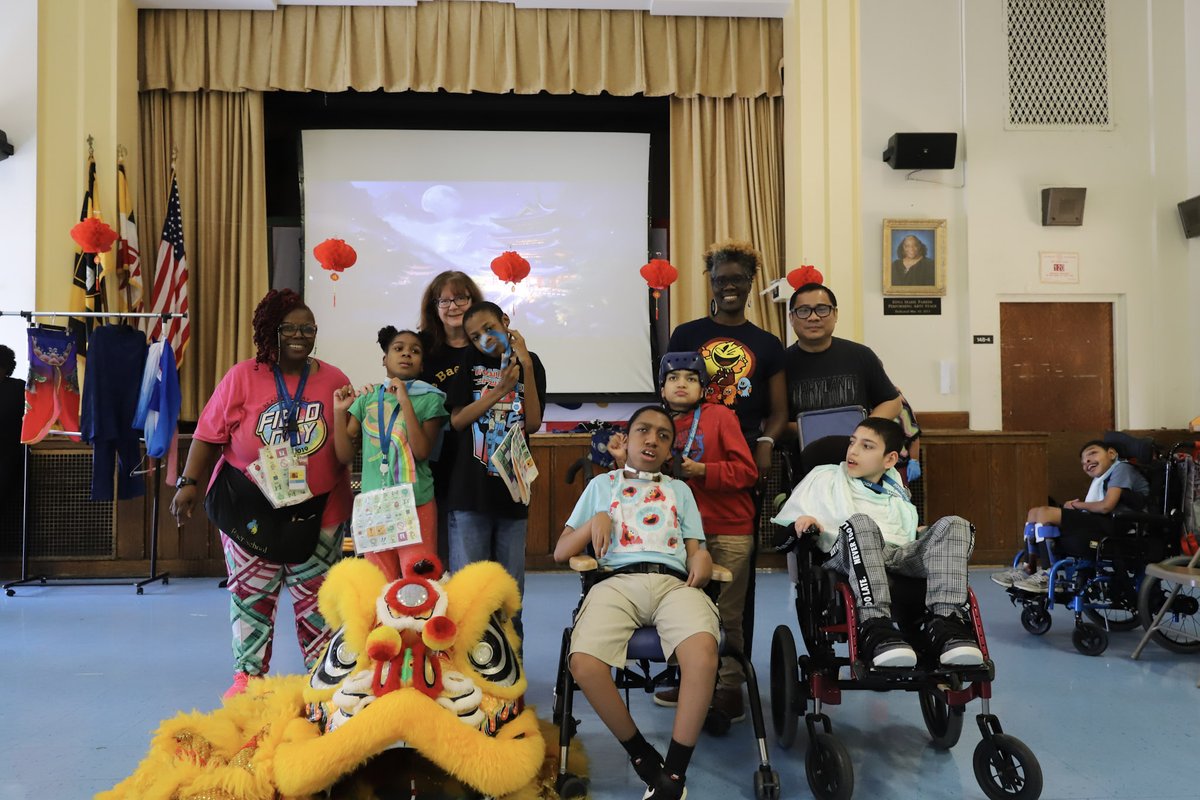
column 921, row 150
column 6, row 149
column 1063, row 205
column 1189, row 215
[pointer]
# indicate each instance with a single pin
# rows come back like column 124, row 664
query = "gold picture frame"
column 919, row 270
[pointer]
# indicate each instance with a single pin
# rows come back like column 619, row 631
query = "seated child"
column 869, row 528
column 1070, row 530
column 644, row 525
column 396, row 446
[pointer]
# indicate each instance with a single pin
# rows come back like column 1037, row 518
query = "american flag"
column 171, row 279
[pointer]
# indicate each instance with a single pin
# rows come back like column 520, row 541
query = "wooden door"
column 1056, row 366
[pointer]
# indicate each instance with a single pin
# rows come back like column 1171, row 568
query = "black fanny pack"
column 285, row 535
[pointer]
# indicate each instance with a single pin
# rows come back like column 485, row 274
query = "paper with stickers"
column 384, row 519
column 281, row 475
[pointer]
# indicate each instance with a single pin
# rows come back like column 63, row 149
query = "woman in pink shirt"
column 283, row 396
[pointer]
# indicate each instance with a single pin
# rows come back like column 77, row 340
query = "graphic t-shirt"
column 650, row 519
column 845, row 374
column 474, row 483
column 427, row 404
column 741, row 360
column 246, row 413
column 439, row 367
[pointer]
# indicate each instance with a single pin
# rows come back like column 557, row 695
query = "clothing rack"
column 138, row 582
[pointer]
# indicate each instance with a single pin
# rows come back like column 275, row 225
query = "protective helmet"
column 691, row 361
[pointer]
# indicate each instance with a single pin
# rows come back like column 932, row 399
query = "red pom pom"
column 93, row 236
column 806, row 273
column 439, row 633
column 510, row 267
column 659, row 274
column 335, row 255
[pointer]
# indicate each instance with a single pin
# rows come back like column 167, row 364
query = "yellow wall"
column 87, row 84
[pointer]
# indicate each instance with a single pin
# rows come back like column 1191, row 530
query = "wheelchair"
column 825, row 609
column 647, row 670
column 1108, row 586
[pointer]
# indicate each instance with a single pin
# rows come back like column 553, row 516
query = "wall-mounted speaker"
column 1063, row 205
column 6, row 148
column 1189, row 215
column 921, row 150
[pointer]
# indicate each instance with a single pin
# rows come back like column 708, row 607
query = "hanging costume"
column 116, row 361
column 52, row 392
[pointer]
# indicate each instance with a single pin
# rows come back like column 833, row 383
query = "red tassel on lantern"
column 805, row 273
column 658, row 274
column 335, row 256
column 510, row 268
column 93, row 235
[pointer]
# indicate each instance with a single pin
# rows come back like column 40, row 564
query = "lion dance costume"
column 419, row 694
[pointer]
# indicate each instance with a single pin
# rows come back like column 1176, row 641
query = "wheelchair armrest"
column 583, row 563
column 721, row 574
column 1138, row 516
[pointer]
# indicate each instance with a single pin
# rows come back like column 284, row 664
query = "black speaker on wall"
column 921, row 150
column 1189, row 215
column 1062, row 205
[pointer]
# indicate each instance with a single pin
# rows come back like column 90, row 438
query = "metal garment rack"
column 137, row 582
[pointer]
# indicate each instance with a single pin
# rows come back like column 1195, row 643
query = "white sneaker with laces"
column 1038, row 582
column 1009, row 577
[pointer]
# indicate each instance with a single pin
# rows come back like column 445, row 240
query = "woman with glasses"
column 445, row 301
column 283, row 399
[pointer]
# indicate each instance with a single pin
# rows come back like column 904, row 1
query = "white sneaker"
column 1038, row 582
column 1009, row 576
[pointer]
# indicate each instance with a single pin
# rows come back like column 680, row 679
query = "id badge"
column 297, row 478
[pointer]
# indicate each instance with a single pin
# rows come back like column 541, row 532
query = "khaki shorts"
column 617, row 606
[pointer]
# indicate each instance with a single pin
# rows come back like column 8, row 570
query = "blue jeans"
column 480, row 537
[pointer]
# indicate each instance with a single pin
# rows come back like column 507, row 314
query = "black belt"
column 648, row 568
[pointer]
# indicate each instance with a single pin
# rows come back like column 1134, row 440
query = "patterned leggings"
column 255, row 583
column 939, row 555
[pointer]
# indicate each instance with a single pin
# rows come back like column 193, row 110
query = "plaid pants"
column 254, row 584
column 939, row 555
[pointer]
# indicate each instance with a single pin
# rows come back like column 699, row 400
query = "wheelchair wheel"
column 830, row 772
column 1113, row 618
column 1182, row 620
column 1089, row 639
column 1006, row 768
column 786, row 695
column 571, row 786
column 766, row 784
column 943, row 721
column 1036, row 619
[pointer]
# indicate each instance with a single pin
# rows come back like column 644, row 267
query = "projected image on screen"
column 581, row 226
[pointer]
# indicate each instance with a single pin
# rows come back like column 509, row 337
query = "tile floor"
column 90, row 672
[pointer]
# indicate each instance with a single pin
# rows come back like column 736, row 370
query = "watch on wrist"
column 183, row 481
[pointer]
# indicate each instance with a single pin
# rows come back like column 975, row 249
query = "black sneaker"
column 881, row 645
column 648, row 767
column 952, row 639
column 666, row 787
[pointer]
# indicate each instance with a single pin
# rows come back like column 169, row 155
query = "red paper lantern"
column 335, row 256
column 93, row 236
column 658, row 274
column 806, row 273
column 510, row 268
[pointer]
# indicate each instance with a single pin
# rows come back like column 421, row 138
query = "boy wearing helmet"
column 711, row 454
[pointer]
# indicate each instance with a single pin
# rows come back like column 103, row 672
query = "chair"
column 1180, row 575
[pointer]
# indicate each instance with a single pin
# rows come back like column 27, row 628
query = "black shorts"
column 1080, row 528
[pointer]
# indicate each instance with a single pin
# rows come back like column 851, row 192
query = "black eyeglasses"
column 459, row 300
column 288, row 329
column 822, row 311
column 731, row 280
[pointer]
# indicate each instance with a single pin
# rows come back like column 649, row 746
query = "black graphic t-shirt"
column 741, row 360
column 845, row 374
column 474, row 484
column 439, row 368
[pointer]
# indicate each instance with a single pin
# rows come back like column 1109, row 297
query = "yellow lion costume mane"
column 421, row 674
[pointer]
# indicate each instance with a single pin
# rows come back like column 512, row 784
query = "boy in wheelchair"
column 644, row 527
column 1070, row 530
column 868, row 527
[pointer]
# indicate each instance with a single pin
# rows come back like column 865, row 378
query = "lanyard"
column 883, row 486
column 385, row 434
column 291, row 405
column 687, row 448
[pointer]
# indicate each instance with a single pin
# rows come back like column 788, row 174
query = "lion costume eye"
column 492, row 656
column 339, row 660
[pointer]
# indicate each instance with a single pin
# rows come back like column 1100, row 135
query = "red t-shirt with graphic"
column 245, row 414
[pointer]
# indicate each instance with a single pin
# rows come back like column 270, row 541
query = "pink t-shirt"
column 244, row 414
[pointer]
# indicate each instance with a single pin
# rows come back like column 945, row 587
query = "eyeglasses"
column 459, row 300
column 288, row 329
column 822, row 311
column 731, row 280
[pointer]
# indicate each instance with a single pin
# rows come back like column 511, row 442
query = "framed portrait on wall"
column 914, row 257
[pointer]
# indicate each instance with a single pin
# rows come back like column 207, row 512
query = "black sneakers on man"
column 952, row 639
column 881, row 645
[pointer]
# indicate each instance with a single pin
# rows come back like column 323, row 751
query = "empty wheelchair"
column 1105, row 588
column 802, row 685
column 647, row 670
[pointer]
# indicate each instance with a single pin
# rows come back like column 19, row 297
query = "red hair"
column 268, row 316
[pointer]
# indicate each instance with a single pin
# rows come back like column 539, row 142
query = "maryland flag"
column 87, row 291
column 129, row 263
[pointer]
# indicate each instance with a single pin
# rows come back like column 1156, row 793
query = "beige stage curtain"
column 726, row 182
column 461, row 47
column 220, row 165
